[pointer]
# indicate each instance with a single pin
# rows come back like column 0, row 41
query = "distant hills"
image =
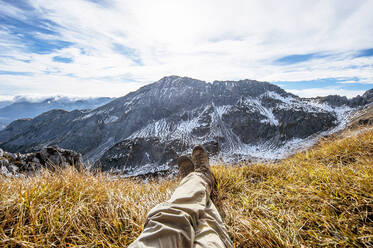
column 23, row 107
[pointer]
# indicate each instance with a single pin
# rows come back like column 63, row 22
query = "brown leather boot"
column 201, row 163
column 186, row 166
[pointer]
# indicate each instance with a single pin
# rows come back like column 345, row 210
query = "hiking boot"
column 200, row 159
column 186, row 166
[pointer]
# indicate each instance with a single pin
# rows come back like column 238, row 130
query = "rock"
column 55, row 156
column 31, row 167
column 4, row 171
column 4, row 162
column 368, row 95
column 49, row 157
column 338, row 101
column 13, row 168
column 368, row 121
column 1, row 152
column 131, row 154
column 12, row 156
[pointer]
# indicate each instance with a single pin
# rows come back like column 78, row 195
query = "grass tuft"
column 322, row 197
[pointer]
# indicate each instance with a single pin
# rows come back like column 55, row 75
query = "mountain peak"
column 368, row 95
column 247, row 87
column 169, row 78
column 175, row 81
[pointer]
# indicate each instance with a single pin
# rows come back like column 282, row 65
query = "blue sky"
column 109, row 48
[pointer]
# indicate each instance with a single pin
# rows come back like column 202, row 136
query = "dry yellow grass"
column 319, row 198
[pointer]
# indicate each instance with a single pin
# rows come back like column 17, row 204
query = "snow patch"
column 266, row 112
column 111, row 119
column 143, row 170
column 87, row 116
column 287, row 100
column 221, row 110
column 156, row 129
column 186, row 127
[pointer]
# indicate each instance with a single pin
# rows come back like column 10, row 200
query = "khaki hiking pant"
column 188, row 219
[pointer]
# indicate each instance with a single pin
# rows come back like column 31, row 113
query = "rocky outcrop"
column 154, row 154
column 16, row 164
column 362, row 117
column 337, row 101
column 368, row 95
column 146, row 129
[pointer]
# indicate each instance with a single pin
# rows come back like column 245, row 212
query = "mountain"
column 23, row 107
column 146, row 130
column 338, row 101
column 5, row 103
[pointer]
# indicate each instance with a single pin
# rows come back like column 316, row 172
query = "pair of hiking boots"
column 198, row 163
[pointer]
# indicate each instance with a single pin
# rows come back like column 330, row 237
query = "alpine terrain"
column 145, row 131
column 22, row 107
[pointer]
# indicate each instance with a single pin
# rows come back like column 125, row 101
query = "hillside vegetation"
column 322, row 197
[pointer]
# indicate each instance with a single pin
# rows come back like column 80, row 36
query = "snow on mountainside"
column 24, row 107
column 146, row 130
column 233, row 148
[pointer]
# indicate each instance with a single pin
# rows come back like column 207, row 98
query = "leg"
column 173, row 223
column 211, row 231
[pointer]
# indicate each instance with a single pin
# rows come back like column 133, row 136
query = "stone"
column 55, row 156
column 13, row 168
column 48, row 157
column 12, row 156
column 4, row 162
column 31, row 167
column 51, row 156
column 4, row 171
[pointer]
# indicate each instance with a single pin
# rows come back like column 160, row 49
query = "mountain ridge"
column 147, row 129
column 23, row 107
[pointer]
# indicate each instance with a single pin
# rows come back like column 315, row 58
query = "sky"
column 110, row 48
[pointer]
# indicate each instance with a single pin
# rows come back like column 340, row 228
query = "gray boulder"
column 4, row 171
column 49, row 157
column 4, row 162
column 55, row 156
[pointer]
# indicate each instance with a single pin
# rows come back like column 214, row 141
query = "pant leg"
column 174, row 222
column 211, row 231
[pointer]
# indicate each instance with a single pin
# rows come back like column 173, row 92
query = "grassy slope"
column 321, row 197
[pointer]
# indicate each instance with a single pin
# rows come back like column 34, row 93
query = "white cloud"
column 208, row 40
column 360, row 81
column 64, row 85
column 6, row 98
